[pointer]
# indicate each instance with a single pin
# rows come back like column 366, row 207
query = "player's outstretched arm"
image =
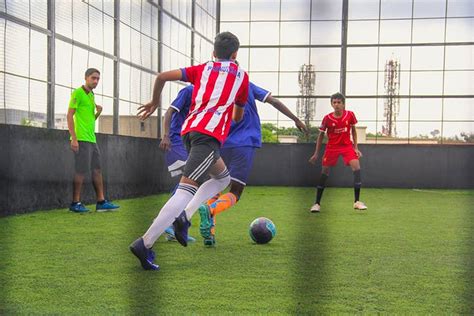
column 165, row 143
column 319, row 143
column 277, row 104
column 146, row 110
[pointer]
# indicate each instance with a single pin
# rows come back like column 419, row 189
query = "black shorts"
column 203, row 152
column 87, row 158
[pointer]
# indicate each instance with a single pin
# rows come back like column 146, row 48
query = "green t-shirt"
column 84, row 118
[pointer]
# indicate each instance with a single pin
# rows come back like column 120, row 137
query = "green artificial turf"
column 410, row 252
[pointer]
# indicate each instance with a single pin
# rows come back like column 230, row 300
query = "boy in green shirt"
column 81, row 124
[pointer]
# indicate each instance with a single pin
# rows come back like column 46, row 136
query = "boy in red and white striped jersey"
column 218, row 85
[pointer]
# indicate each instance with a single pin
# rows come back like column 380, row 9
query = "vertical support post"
column 193, row 24
column 160, row 61
column 51, row 62
column 116, row 67
column 345, row 18
column 218, row 16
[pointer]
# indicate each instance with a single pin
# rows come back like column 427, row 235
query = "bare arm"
column 277, row 104
column 319, row 143
column 72, row 131
column 160, row 81
column 98, row 111
column 146, row 110
column 238, row 113
column 165, row 141
column 354, row 140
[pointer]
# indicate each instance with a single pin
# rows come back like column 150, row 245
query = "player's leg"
column 82, row 162
column 355, row 166
column 227, row 200
column 236, row 162
column 98, row 184
column 102, row 204
column 239, row 161
column 350, row 158
column 208, row 212
column 176, row 158
column 207, row 221
column 207, row 149
column 239, row 167
column 219, row 180
column 200, row 157
column 168, row 214
column 329, row 160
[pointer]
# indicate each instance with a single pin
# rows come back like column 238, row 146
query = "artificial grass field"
column 411, row 252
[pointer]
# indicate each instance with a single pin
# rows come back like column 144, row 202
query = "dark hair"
column 225, row 44
column 338, row 96
column 90, row 71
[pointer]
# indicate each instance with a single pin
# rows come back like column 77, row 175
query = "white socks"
column 187, row 197
column 207, row 190
column 169, row 212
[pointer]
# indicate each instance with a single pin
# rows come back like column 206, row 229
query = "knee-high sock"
column 224, row 202
column 320, row 187
column 207, row 190
column 169, row 212
column 357, row 185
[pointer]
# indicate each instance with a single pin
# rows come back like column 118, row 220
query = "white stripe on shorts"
column 202, row 167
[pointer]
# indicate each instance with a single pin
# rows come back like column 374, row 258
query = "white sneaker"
column 359, row 205
column 315, row 208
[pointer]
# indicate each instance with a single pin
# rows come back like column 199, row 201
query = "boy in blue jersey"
column 237, row 152
column 176, row 154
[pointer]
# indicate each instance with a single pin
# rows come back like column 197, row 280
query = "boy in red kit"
column 338, row 126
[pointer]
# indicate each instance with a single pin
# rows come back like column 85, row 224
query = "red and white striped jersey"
column 217, row 86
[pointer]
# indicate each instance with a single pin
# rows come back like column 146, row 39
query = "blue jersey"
column 248, row 131
column 245, row 133
column 181, row 104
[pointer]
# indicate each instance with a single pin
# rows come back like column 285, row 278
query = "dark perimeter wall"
column 395, row 166
column 37, row 166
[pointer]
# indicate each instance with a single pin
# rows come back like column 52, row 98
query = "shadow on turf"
column 470, row 258
column 144, row 289
column 3, row 285
column 310, row 281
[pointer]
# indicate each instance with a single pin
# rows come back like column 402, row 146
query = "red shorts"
column 332, row 154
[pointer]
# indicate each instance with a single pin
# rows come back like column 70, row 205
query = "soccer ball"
column 262, row 230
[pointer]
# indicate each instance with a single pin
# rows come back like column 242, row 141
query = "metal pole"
column 193, row 34
column 160, row 61
column 116, row 67
column 218, row 17
column 345, row 17
column 51, row 66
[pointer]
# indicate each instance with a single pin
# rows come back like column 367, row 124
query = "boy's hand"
column 74, row 145
column 98, row 109
column 359, row 154
column 312, row 160
column 300, row 125
column 165, row 143
column 146, row 110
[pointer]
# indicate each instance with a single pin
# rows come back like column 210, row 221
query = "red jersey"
column 338, row 129
column 217, row 86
